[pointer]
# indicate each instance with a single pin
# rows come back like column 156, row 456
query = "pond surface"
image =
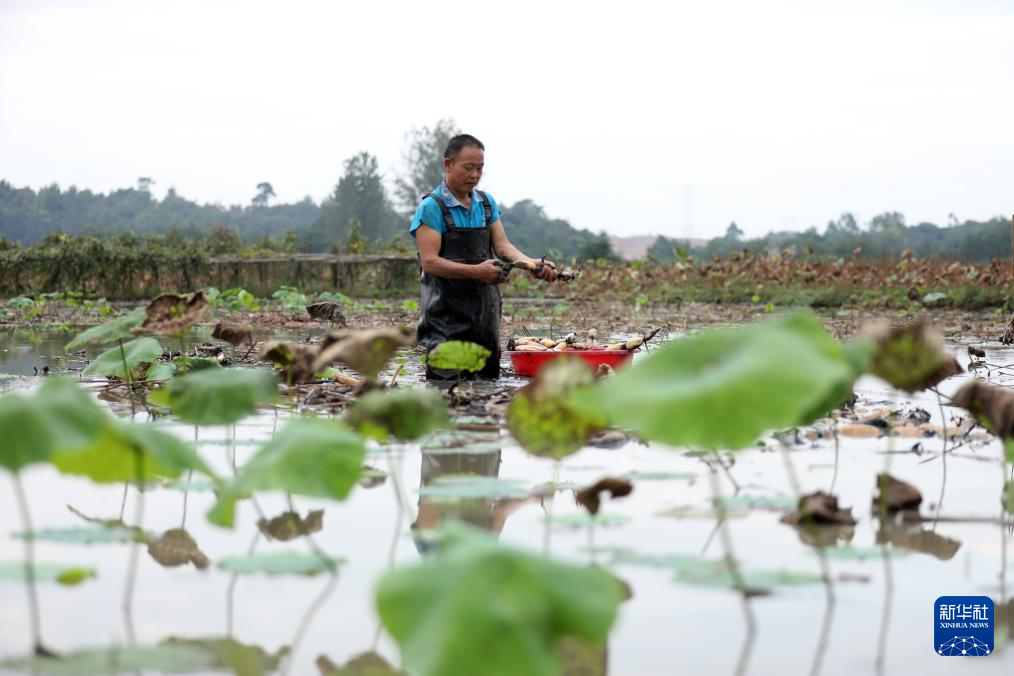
column 878, row 617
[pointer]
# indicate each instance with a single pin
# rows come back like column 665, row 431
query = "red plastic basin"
column 529, row 363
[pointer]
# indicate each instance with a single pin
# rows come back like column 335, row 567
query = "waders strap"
column 444, row 211
column 487, row 208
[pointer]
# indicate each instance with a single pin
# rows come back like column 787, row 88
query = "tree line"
column 362, row 214
column 886, row 236
column 359, row 215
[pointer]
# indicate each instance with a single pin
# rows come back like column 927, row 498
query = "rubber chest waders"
column 462, row 309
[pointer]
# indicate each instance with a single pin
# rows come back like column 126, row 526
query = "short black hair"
column 459, row 142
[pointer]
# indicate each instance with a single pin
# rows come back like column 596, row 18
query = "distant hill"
column 26, row 216
column 530, row 230
column 634, row 247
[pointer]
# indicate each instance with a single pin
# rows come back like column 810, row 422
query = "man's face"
column 465, row 170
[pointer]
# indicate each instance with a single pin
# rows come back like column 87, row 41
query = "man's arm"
column 427, row 240
column 508, row 252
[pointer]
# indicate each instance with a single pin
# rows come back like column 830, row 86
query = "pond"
column 875, row 617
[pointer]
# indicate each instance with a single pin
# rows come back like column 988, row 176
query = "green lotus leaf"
column 404, row 414
column 481, row 608
column 68, row 576
column 57, row 417
column 109, row 332
column 220, row 396
column 780, row 373
column 126, row 452
column 279, row 563
column 309, row 456
column 110, row 362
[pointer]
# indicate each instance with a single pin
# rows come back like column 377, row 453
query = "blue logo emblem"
column 963, row 626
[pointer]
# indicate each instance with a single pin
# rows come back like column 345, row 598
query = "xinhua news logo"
column 963, row 626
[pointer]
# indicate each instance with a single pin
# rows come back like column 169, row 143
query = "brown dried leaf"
column 1008, row 335
column 289, row 526
column 172, row 314
column 175, row 547
column 234, row 333
column 910, row 357
column 819, row 508
column 295, row 359
column 951, row 367
column 589, row 497
column 895, row 495
column 543, row 420
column 364, row 350
column 363, row 664
column 993, row 406
column 327, row 310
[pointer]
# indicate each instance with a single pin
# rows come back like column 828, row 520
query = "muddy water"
column 878, row 619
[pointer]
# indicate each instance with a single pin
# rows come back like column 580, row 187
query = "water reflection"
column 489, row 514
column 918, row 539
column 824, row 535
column 1003, row 618
column 853, row 622
column 28, row 353
column 576, row 657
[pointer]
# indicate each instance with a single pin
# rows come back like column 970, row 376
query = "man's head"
column 463, row 160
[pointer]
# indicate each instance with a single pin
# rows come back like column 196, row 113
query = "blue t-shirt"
column 428, row 212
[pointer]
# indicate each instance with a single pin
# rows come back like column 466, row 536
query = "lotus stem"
column 825, row 571
column 734, row 571
column 128, row 375
column 943, row 459
column 128, row 591
column 33, row 598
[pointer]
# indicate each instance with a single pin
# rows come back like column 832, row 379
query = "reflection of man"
column 457, row 230
column 485, row 513
column 577, row 657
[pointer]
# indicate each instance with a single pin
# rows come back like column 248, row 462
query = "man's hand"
column 488, row 272
column 548, row 271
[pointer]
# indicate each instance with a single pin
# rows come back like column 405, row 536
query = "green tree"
column 889, row 220
column 424, row 163
column 733, row 233
column 222, row 240
column 360, row 194
column 596, row 247
column 847, row 223
column 175, row 239
column 355, row 243
column 289, row 242
column 665, row 249
column 264, row 193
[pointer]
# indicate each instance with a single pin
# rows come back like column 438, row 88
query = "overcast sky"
column 780, row 114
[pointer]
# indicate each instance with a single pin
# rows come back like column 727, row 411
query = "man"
column 458, row 233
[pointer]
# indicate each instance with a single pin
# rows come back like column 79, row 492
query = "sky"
column 672, row 118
